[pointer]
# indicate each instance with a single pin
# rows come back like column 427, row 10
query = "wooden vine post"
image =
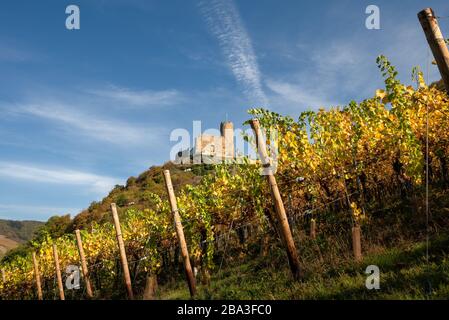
column 180, row 233
column 121, row 247
column 58, row 273
column 37, row 277
column 84, row 270
column 356, row 242
column 356, row 231
column 150, row 290
column 313, row 229
column 3, row 276
column 279, row 205
column 436, row 42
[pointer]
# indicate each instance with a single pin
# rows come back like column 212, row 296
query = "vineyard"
column 338, row 170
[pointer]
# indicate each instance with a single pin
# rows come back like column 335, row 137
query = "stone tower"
column 227, row 133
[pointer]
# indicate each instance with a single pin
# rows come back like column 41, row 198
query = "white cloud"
column 139, row 98
column 223, row 19
column 91, row 125
column 343, row 67
column 332, row 75
column 33, row 212
column 97, row 183
column 288, row 94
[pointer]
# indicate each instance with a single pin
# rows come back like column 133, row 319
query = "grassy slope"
column 19, row 231
column 6, row 244
column 405, row 274
column 399, row 251
column 13, row 233
column 135, row 193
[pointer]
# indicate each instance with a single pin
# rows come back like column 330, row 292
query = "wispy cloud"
column 10, row 53
column 343, row 67
column 329, row 71
column 97, row 183
column 32, row 212
column 139, row 98
column 288, row 94
column 223, row 19
column 331, row 75
column 340, row 67
column 91, row 125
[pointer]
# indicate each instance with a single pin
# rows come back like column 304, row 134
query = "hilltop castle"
column 210, row 148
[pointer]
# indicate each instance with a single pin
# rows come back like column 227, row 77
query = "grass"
column 394, row 239
column 405, row 273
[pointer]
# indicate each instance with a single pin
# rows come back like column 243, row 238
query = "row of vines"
column 359, row 153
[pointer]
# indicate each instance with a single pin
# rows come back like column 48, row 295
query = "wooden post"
column 121, row 247
column 58, row 273
column 150, row 290
column 37, row 277
column 436, row 42
column 83, row 264
column 356, row 243
column 3, row 276
column 180, row 233
column 313, row 229
column 279, row 205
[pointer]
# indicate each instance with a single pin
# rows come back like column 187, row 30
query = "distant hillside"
column 135, row 194
column 6, row 245
column 19, row 231
column 14, row 233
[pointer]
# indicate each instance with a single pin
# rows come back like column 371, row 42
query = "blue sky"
column 82, row 110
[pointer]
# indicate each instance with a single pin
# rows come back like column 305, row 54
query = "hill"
column 354, row 197
column 134, row 195
column 19, row 231
column 136, row 192
column 14, row 233
column 6, row 245
column 405, row 274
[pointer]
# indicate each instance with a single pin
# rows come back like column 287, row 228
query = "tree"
column 55, row 227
